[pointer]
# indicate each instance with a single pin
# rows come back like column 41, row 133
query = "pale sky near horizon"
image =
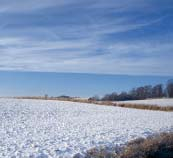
column 72, row 84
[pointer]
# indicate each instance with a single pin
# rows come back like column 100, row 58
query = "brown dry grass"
column 109, row 103
column 146, row 107
column 158, row 146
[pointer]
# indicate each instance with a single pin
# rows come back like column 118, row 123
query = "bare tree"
column 46, row 96
column 94, row 98
column 169, row 88
column 157, row 91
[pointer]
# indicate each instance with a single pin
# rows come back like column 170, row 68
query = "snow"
column 51, row 129
column 158, row 102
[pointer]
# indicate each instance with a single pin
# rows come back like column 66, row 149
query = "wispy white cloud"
column 25, row 6
column 85, row 36
column 117, row 58
column 116, row 5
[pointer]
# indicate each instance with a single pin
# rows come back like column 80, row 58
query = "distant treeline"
column 143, row 92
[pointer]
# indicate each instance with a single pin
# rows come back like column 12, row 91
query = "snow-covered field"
column 158, row 102
column 45, row 129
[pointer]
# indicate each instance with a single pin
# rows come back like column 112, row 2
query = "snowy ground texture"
column 158, row 102
column 50, row 129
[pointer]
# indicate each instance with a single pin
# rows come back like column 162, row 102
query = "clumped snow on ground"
column 159, row 102
column 50, row 129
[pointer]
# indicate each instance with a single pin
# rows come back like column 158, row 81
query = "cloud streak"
column 116, row 37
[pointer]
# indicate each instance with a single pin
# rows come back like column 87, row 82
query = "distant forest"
column 139, row 93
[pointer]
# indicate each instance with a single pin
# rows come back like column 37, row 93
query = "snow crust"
column 53, row 129
column 158, row 102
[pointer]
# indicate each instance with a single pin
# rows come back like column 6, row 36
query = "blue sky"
column 73, row 84
column 93, row 36
column 127, row 37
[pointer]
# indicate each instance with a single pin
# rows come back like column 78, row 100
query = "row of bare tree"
column 143, row 92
